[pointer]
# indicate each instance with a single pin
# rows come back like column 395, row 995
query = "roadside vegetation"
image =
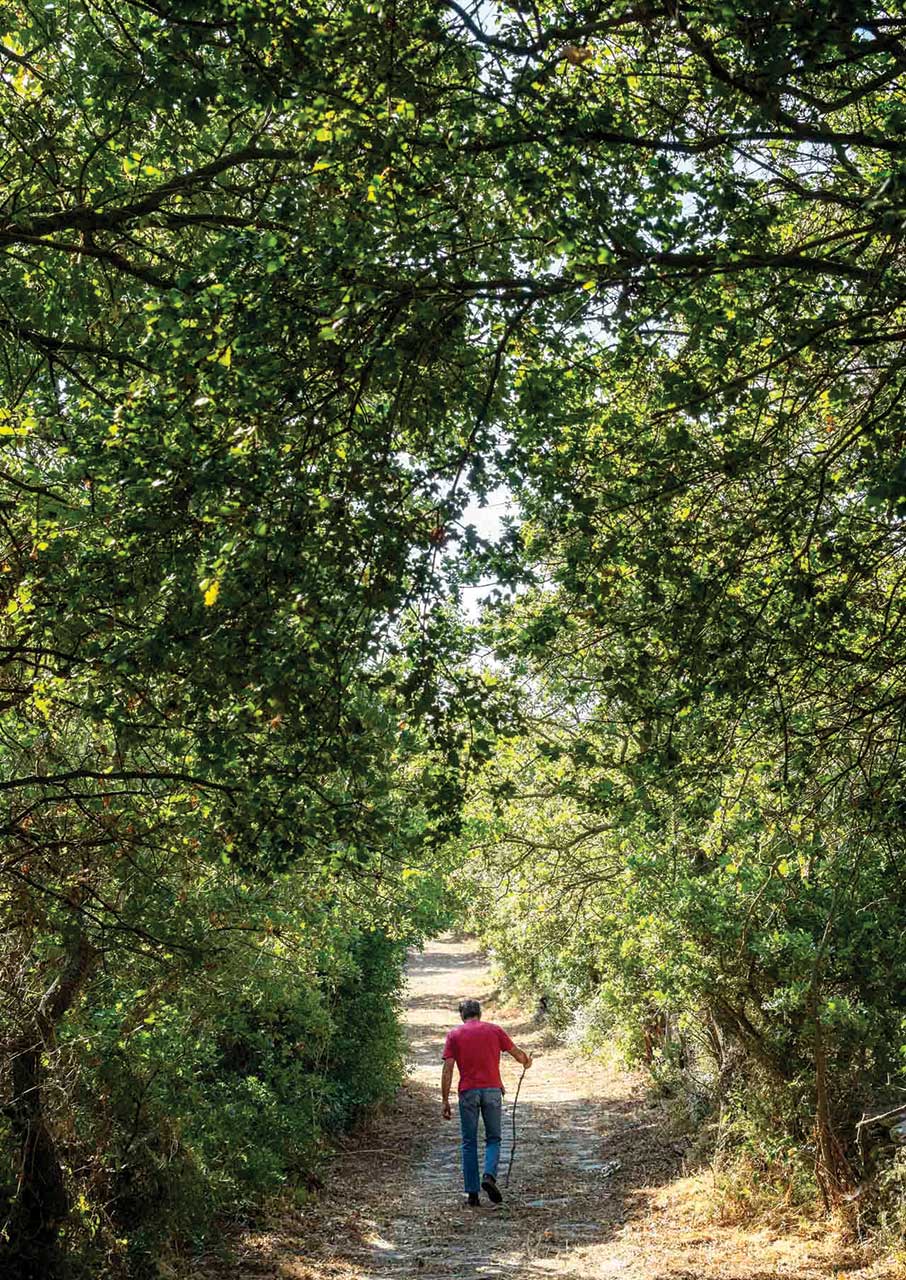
column 286, row 287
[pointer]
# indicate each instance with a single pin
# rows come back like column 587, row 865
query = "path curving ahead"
column 597, row 1187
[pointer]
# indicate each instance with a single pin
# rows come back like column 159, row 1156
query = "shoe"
column 490, row 1187
column 474, row 1200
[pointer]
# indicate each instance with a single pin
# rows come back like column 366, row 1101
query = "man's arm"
column 446, row 1079
column 521, row 1056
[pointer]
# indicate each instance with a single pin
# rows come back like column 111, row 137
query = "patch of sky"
column 487, row 517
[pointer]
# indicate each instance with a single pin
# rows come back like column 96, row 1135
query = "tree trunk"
column 41, row 1202
column 834, row 1174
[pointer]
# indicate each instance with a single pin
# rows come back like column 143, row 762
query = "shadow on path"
column 563, row 1197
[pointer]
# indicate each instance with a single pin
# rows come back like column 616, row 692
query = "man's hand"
column 448, row 1111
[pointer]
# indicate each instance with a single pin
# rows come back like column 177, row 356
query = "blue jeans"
column 490, row 1103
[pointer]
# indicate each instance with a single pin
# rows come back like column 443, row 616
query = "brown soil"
column 597, row 1189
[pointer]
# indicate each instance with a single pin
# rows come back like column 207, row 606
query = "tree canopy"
column 285, row 287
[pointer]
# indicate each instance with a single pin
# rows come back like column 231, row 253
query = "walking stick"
column 509, row 1168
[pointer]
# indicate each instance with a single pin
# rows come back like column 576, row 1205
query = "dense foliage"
column 701, row 841
column 283, row 285
column 220, row 491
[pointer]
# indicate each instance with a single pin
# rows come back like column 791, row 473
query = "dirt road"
column 598, row 1188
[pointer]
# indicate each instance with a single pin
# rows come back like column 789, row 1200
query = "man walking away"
column 475, row 1047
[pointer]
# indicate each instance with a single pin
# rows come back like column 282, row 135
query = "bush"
column 172, row 1109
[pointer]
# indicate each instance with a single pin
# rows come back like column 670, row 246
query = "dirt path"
column 597, row 1187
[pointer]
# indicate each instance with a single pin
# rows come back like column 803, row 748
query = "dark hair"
column 469, row 1009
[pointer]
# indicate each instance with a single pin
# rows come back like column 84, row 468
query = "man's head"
column 469, row 1009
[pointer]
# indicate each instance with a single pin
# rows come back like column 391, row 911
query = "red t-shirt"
column 475, row 1047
